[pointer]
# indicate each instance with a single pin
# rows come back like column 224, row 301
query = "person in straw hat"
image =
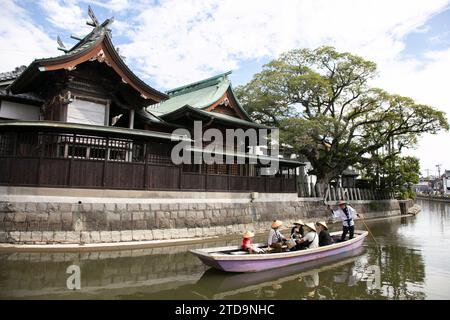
column 324, row 236
column 310, row 240
column 297, row 231
column 346, row 214
column 275, row 239
column 247, row 243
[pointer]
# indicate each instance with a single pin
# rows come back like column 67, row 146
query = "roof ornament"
column 61, row 45
column 106, row 24
column 225, row 102
column 76, row 37
column 94, row 22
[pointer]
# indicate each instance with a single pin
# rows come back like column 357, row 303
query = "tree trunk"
column 321, row 186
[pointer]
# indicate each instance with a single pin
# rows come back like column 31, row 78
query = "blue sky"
column 170, row 43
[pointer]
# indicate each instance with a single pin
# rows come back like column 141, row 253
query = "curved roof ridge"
column 99, row 36
column 199, row 84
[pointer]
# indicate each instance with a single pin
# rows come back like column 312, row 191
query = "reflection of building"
column 82, row 120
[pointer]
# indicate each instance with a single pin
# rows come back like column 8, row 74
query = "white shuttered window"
column 86, row 112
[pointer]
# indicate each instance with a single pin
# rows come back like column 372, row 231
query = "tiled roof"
column 95, row 36
column 22, row 96
column 6, row 78
column 56, row 125
column 98, row 34
column 11, row 75
column 209, row 114
column 198, row 95
column 215, row 80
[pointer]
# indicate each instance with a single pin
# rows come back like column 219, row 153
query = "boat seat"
column 240, row 252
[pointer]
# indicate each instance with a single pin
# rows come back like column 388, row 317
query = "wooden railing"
column 70, row 160
column 341, row 193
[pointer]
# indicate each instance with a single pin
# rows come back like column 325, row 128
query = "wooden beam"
column 131, row 122
column 107, row 109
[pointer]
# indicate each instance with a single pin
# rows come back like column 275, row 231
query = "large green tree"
column 326, row 109
column 393, row 172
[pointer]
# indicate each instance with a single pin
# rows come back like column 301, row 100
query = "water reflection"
column 218, row 285
column 412, row 261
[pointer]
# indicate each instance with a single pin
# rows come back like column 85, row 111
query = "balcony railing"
column 57, row 159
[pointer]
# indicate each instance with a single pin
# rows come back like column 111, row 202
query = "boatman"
column 346, row 214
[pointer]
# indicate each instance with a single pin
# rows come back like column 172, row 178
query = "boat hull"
column 255, row 263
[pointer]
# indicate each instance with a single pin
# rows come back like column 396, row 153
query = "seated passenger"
column 310, row 240
column 297, row 231
column 276, row 239
column 324, row 236
column 247, row 243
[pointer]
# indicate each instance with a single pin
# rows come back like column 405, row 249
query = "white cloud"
column 21, row 41
column 66, row 15
column 426, row 81
column 113, row 5
column 177, row 42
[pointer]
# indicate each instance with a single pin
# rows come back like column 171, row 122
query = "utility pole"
column 428, row 173
column 438, row 166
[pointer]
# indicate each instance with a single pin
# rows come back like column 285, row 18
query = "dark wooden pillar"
column 70, row 182
column 14, row 155
column 146, row 148
column 41, row 155
column 105, row 163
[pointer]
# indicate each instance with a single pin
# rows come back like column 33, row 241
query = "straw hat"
column 300, row 222
column 276, row 223
column 322, row 223
column 342, row 202
column 248, row 234
column 311, row 226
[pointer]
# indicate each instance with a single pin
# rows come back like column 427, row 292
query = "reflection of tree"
column 400, row 269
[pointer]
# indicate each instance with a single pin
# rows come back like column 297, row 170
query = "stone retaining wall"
column 445, row 198
column 45, row 223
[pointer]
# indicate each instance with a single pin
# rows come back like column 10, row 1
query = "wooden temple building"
column 85, row 120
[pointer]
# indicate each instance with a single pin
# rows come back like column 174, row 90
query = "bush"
column 407, row 194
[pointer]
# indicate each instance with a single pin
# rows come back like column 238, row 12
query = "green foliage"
column 393, row 173
column 407, row 194
column 322, row 102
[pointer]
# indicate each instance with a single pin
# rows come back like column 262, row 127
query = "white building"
column 446, row 182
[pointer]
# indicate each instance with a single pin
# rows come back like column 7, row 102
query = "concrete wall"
column 36, row 221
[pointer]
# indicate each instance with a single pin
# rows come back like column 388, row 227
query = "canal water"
column 411, row 261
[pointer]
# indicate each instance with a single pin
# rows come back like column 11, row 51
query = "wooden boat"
column 233, row 259
column 217, row 284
